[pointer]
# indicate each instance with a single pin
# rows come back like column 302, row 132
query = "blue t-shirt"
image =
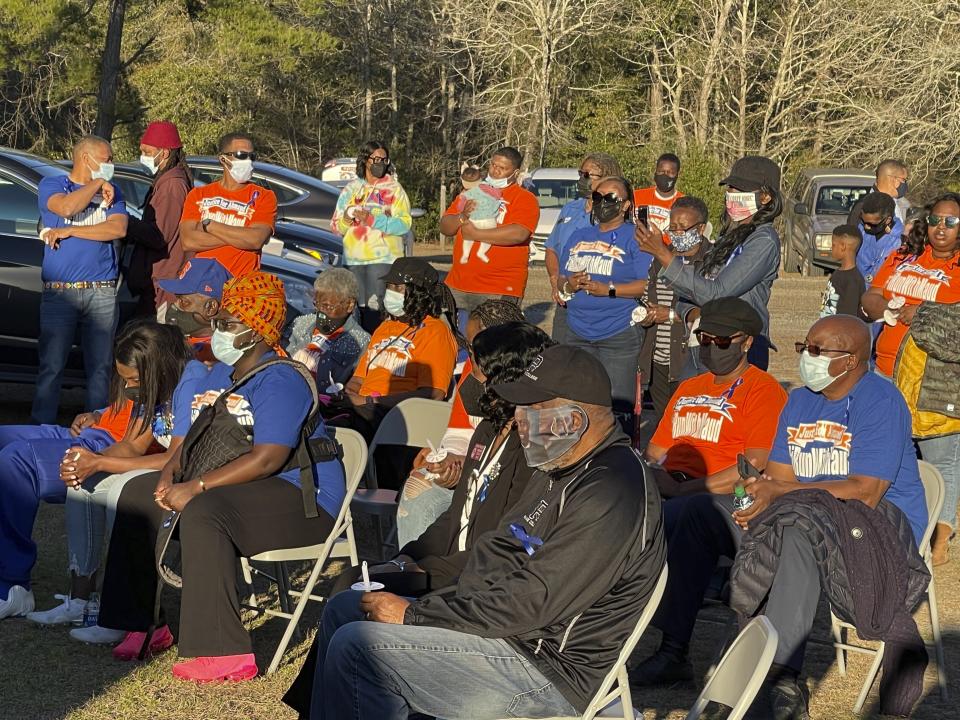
column 605, row 256
column 76, row 259
column 868, row 432
column 274, row 403
column 573, row 216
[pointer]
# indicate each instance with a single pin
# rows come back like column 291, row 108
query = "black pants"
column 216, row 528
column 661, row 389
column 701, row 530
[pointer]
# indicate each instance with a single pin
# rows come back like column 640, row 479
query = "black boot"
column 788, row 698
column 667, row 666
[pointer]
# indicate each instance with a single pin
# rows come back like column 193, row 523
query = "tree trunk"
column 655, row 99
column 110, row 68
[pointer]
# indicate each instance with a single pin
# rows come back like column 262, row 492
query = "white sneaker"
column 70, row 611
column 19, row 602
column 96, row 635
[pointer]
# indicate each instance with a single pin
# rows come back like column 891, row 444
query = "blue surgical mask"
column 223, row 348
column 393, row 303
column 499, row 183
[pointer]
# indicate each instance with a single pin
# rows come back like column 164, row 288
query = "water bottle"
column 91, row 611
column 741, row 500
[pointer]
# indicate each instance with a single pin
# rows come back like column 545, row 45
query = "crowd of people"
column 530, row 545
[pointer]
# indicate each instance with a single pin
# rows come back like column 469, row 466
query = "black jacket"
column 870, row 571
column 568, row 604
column 436, row 549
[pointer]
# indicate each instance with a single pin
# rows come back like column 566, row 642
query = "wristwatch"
column 399, row 563
column 612, row 290
column 205, row 223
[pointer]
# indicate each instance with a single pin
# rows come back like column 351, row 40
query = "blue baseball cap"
column 204, row 276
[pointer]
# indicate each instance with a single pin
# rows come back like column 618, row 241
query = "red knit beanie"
column 161, row 134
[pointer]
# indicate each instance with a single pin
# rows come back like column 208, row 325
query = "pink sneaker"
column 129, row 649
column 233, row 668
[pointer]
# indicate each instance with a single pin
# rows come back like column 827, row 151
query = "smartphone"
column 746, row 468
column 641, row 215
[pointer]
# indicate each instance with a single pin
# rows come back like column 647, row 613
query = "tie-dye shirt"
column 380, row 238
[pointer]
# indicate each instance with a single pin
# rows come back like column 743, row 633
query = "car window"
column 206, row 175
column 18, row 208
column 285, row 194
column 838, row 199
column 554, row 193
column 134, row 190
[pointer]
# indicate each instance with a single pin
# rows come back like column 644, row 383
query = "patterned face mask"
column 684, row 240
column 741, row 205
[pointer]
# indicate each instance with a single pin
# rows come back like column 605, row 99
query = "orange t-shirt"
column 504, row 272
column 115, row 422
column 706, row 426
column 400, row 359
column 658, row 209
column 916, row 279
column 250, row 205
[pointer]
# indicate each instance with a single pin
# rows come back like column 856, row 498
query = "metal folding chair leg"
column 870, row 679
column 937, row 637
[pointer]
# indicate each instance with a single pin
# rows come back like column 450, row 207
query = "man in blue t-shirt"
column 81, row 215
column 847, row 432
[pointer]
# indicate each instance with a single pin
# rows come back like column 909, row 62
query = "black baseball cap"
column 560, row 371
column 411, row 271
column 728, row 316
column 752, row 172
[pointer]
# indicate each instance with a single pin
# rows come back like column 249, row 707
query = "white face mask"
column 815, row 371
column 103, row 172
column 241, row 170
column 393, row 302
column 499, row 183
column 741, row 205
column 223, row 348
column 150, row 163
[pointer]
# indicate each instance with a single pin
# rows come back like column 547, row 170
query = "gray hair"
column 339, row 281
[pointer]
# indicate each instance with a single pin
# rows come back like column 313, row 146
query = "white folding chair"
column 741, row 672
column 933, row 490
column 414, row 422
column 613, row 699
column 338, row 544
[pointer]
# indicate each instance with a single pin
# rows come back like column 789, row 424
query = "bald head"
column 90, row 144
column 842, row 332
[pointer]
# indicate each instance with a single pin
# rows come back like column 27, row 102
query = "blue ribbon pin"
column 530, row 542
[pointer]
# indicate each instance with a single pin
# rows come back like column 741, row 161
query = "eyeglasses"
column 684, row 230
column 608, row 198
column 242, row 155
column 584, row 174
column 815, row 350
column 327, row 308
column 226, row 325
column 721, row 341
column 951, row 221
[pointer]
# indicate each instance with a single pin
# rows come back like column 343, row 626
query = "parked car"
column 823, row 199
column 554, row 188
column 339, row 170
column 21, row 255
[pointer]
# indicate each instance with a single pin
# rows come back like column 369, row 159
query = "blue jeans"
column 30, row 472
column 944, row 454
column 89, row 514
column 62, row 312
column 619, row 355
column 421, row 503
column 377, row 671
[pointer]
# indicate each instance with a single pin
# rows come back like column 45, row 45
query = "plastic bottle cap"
column 739, row 491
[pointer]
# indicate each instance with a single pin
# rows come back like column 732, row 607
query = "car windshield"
column 554, row 193
column 838, row 199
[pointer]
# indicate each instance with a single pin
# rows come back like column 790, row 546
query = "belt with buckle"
column 93, row 285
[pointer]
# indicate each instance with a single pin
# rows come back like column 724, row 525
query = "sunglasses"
column 815, row 350
column 584, row 175
column 608, row 198
column 721, row 341
column 242, row 155
column 951, row 221
column 379, row 159
column 875, row 226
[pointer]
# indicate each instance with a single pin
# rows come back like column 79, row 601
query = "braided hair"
column 434, row 300
column 496, row 312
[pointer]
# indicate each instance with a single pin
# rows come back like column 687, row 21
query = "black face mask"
column 378, row 169
column 721, row 362
column 186, row 321
column 902, row 189
column 328, row 325
column 470, row 392
column 664, row 183
column 605, row 212
column 878, row 230
column 132, row 393
column 584, row 187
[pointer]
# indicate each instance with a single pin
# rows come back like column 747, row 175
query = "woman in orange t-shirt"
column 413, row 352
column 925, row 270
